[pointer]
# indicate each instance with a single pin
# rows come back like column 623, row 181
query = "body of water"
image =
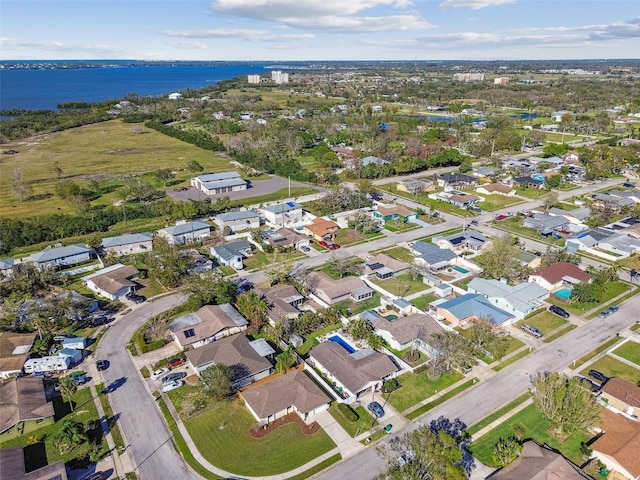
column 44, row 89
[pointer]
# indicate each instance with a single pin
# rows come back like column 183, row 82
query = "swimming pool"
column 340, row 341
column 563, row 293
column 391, row 317
column 459, row 269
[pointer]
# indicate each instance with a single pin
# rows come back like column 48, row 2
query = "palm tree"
column 254, row 308
column 287, row 359
column 68, row 387
column 71, row 433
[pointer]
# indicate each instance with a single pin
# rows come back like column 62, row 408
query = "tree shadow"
column 116, row 384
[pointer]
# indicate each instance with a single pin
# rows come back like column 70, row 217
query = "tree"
column 71, row 434
column 587, row 292
column 164, row 175
column 563, row 401
column 557, row 255
column 287, row 359
column 68, row 387
column 550, row 200
column 506, row 450
column 19, row 186
column 168, row 265
column 254, row 308
column 501, row 261
column 450, row 348
column 56, row 170
column 344, row 266
column 363, row 223
column 217, row 381
column 193, row 166
column 359, row 329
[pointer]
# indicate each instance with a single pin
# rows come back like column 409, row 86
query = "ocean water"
column 44, row 89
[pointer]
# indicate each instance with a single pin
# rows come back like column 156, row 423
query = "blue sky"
column 319, row 29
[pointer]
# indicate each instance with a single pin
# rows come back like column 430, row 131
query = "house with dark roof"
column 352, row 374
column 539, row 462
column 13, row 466
column 622, row 396
column 282, row 302
column 394, row 212
column 618, row 445
column 611, row 202
column 293, row 392
column 329, row 291
column 23, row 407
column 249, row 359
column 433, row 257
column 210, row 323
column 414, row 330
column 519, row 300
column 527, row 182
column 128, row 244
column 559, row 275
column 231, row 254
column 112, row 282
column 239, row 221
column 14, row 351
column 415, row 185
column 469, row 240
column 60, row 257
column 217, row 183
column 6, row 267
column 460, row 310
column 185, row 232
column 383, row 266
column 456, row 180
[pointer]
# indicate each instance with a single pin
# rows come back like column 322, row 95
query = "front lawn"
column 222, row 436
column 399, row 226
column 346, row 236
column 629, row 350
column 612, row 290
column 402, row 285
column 353, row 308
column 536, row 427
column 418, row 387
column 400, row 253
column 544, row 321
column 261, row 259
column 514, row 226
column 612, row 367
column 365, row 421
column 497, row 202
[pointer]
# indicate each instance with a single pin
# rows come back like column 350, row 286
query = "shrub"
column 391, row 385
column 348, row 412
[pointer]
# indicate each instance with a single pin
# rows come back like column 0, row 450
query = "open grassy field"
column 401, row 285
column 102, row 152
column 417, row 387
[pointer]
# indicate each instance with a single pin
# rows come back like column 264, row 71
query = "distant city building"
column 468, row 77
column 253, row 78
column 501, row 81
column 279, row 77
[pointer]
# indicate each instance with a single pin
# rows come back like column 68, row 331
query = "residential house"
column 128, row 244
column 633, row 195
column 23, row 407
column 622, row 396
column 470, row 306
column 469, row 240
column 611, row 202
column 528, row 182
column 60, row 257
column 185, row 232
column 353, row 375
column 546, row 224
column 14, row 351
column 6, row 267
column 529, row 260
column 322, row 229
column 74, row 356
column 282, row 302
column 443, row 290
column 519, row 300
column 484, row 172
column 210, row 323
column 433, row 257
column 283, row 214
column 557, row 116
column 411, row 331
column 394, row 212
column 496, row 189
column 371, row 160
column 455, row 197
column 330, row 291
column 292, row 392
column 383, row 266
column 285, row 237
column 231, row 254
column 198, row 262
column 577, row 216
column 174, row 96
column 250, row 360
column 618, row 445
column 559, row 275
column 53, row 363
column 75, row 343
column 346, row 154
column 415, row 185
column 555, row 161
column 456, row 180
column 13, row 467
column 239, row 221
column 604, row 241
column 539, row 462
column 217, row 183
column 112, row 282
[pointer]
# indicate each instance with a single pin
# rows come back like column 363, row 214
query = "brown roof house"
column 618, row 446
column 14, row 351
column 279, row 396
column 559, row 275
column 322, row 229
column 404, row 332
column 539, row 462
column 622, row 396
column 352, row 374
column 250, row 360
column 330, row 291
column 497, row 189
column 13, row 467
column 23, row 407
column 210, row 323
column 282, row 302
column 112, row 282
column 383, row 266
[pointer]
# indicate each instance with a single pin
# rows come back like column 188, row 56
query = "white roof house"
column 185, row 232
column 215, row 183
column 129, row 243
column 519, row 300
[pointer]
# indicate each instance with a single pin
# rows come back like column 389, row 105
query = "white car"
column 167, row 387
column 158, row 373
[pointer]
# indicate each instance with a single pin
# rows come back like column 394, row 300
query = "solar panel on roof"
column 456, row 240
column 376, row 266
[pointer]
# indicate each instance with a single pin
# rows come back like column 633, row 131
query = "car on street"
column 176, row 362
column 609, row 311
column 159, row 373
column 172, row 377
column 167, row 387
column 102, row 364
column 376, row 409
column 305, row 249
column 501, row 217
column 598, row 375
column 559, row 311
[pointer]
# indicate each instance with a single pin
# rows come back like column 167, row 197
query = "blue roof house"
column 461, row 310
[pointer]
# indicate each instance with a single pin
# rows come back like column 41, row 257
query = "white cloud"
column 244, row 34
column 474, row 4
column 53, row 46
column 193, row 45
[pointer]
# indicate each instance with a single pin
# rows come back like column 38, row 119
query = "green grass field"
column 612, row 290
column 402, row 285
column 365, row 421
column 614, row 368
column 417, row 387
column 629, row 351
column 544, row 321
column 225, row 429
column 496, row 202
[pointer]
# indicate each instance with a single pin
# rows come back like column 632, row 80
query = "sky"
column 260, row 30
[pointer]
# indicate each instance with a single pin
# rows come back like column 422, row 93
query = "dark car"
column 559, row 311
column 137, row 298
column 609, row 311
column 102, row 364
column 598, row 375
column 376, row 409
column 172, row 377
column 97, row 476
column 588, row 384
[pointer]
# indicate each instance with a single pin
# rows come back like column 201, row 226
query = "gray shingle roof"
column 432, row 254
column 60, row 252
column 187, row 227
column 127, row 239
column 240, row 215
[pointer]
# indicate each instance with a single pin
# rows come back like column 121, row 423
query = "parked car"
column 609, row 311
column 138, row 298
column 586, row 383
column 102, row 364
column 176, row 362
column 159, row 373
column 59, row 338
column 79, row 377
column 598, row 375
column 323, row 243
column 559, row 311
column 531, row 330
column 172, row 377
column 305, row 249
column 97, row 476
column 376, row 409
column 167, row 387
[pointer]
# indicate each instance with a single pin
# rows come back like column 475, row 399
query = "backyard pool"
column 391, row 318
column 459, row 269
column 563, row 293
column 340, row 341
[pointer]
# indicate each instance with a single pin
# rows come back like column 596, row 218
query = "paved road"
column 140, row 422
column 476, row 403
